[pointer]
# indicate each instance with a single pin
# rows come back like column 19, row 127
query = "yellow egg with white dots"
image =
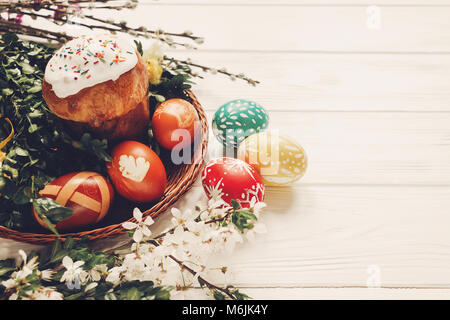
column 279, row 159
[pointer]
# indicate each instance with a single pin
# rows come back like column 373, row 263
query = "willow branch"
column 206, row 69
column 8, row 26
column 108, row 24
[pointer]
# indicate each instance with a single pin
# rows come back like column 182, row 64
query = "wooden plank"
column 270, row 293
column 300, row 28
column 293, row 28
column 367, row 147
column 324, row 236
column 345, row 294
column 311, row 3
column 328, row 82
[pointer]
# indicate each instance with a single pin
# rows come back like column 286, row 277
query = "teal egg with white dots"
column 238, row 119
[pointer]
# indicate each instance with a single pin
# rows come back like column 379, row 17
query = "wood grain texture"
column 328, row 82
column 269, row 293
column 280, row 28
column 331, row 235
column 311, row 3
column 367, row 147
column 346, row 294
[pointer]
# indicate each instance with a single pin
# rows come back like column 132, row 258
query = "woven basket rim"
column 172, row 194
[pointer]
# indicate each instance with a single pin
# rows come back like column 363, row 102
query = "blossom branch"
column 202, row 280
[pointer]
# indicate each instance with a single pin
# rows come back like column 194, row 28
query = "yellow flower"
column 154, row 70
column 153, row 58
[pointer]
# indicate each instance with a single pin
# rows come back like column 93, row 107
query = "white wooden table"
column 370, row 103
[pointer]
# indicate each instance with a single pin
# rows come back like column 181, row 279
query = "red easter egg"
column 232, row 179
column 137, row 172
column 88, row 194
column 171, row 116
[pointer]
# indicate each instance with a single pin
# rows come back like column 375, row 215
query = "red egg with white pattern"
column 232, row 179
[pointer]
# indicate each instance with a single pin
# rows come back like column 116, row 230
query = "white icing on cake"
column 88, row 60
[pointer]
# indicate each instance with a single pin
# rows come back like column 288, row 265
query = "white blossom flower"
column 135, row 269
column 27, row 269
column 181, row 218
column 217, row 208
column 73, row 272
column 46, row 275
column 14, row 296
column 225, row 238
column 115, row 274
column 141, row 227
column 43, row 293
column 258, row 227
column 9, row 284
column 178, row 258
column 257, row 206
column 95, row 274
column 196, row 227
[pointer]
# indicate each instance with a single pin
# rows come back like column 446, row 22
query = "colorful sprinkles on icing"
column 89, row 60
column 85, row 53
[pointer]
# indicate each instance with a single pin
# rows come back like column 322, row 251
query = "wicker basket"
column 179, row 181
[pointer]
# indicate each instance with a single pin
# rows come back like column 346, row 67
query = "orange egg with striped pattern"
column 88, row 194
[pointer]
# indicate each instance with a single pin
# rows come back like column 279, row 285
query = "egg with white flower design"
column 137, row 172
column 232, row 179
column 133, row 168
column 238, row 119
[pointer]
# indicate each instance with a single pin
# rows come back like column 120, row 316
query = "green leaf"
column 6, row 266
column 26, row 68
column 240, row 296
column 235, row 204
column 10, row 37
column 22, row 196
column 160, row 98
column 35, row 114
column 163, row 295
column 218, row 295
column 55, row 250
column 51, row 210
column 7, row 91
column 133, row 294
column 22, row 152
column 35, row 89
column 68, row 244
column 139, row 47
column 243, row 219
column 75, row 296
column 33, row 128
